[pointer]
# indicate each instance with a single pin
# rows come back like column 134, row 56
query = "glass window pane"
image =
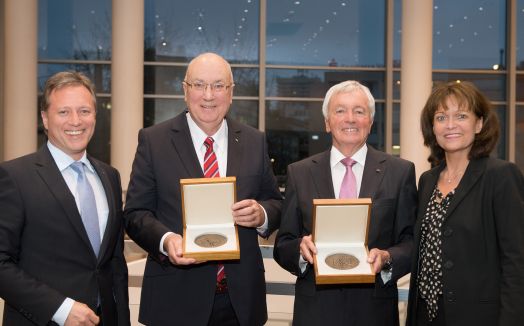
column 500, row 150
column 396, row 130
column 491, row 85
column 519, row 137
column 396, row 85
column 180, row 30
column 334, row 33
column 315, row 83
column 520, row 34
column 100, row 74
column 469, row 34
column 296, row 130
column 520, row 87
column 99, row 146
column 397, row 33
column 74, row 29
column 158, row 110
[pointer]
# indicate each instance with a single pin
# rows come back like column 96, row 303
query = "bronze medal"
column 210, row 240
column 342, row 261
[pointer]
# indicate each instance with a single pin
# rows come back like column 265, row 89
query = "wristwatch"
column 388, row 265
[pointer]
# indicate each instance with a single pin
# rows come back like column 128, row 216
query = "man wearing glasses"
column 179, row 290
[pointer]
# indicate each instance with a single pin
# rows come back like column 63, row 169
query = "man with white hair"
column 389, row 181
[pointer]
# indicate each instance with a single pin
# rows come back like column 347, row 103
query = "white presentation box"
column 340, row 233
column 210, row 232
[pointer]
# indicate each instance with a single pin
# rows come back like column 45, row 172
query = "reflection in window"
column 520, row 34
column 100, row 74
column 178, row 31
column 335, row 33
column 469, row 34
column 78, row 30
column 491, row 85
column 315, row 83
column 519, row 138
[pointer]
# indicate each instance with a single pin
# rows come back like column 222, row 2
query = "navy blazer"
column 45, row 253
column 185, row 294
column 390, row 183
column 482, row 245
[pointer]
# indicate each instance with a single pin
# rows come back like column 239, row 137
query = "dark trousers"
column 223, row 313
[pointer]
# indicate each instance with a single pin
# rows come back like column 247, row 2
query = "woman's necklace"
column 450, row 178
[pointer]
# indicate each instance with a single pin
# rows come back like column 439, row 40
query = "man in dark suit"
column 176, row 289
column 348, row 109
column 61, row 259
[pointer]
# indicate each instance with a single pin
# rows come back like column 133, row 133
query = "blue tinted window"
column 178, row 31
column 326, row 33
column 469, row 34
column 74, row 29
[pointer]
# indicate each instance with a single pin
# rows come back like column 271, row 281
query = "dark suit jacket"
column 171, row 293
column 45, row 254
column 482, row 245
column 390, row 183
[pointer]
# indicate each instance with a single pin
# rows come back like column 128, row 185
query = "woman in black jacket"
column 469, row 265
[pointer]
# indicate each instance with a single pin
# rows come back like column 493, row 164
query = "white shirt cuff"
column 302, row 264
column 63, row 311
column 262, row 230
column 386, row 275
column 161, row 247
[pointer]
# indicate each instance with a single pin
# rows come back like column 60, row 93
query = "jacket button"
column 448, row 232
column 451, row 296
column 448, row 264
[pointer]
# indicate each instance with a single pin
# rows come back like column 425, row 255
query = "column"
column 416, row 78
column 127, row 83
column 20, row 78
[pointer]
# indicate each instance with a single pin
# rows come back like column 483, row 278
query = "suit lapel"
column 374, row 170
column 48, row 171
column 321, row 175
column 181, row 139
column 234, row 147
column 473, row 173
column 111, row 201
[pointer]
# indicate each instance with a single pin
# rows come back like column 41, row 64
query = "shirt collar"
column 63, row 161
column 360, row 156
column 199, row 136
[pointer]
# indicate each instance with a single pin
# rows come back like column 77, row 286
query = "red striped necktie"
column 211, row 171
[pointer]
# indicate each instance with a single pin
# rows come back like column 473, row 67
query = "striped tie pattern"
column 211, row 171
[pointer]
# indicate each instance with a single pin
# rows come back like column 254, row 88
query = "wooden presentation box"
column 210, row 232
column 340, row 233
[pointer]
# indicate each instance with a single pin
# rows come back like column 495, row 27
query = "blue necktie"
column 88, row 210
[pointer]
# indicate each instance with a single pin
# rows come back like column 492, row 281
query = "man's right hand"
column 307, row 248
column 173, row 246
column 81, row 315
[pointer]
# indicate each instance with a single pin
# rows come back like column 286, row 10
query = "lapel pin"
column 377, row 170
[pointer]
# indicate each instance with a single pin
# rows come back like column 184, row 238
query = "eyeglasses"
column 215, row 87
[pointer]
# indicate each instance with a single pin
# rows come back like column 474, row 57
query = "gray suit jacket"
column 185, row 295
column 45, row 254
column 390, row 183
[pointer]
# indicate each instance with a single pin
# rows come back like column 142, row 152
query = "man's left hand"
column 377, row 258
column 248, row 213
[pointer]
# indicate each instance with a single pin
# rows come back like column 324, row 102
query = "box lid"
column 207, row 201
column 341, row 221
